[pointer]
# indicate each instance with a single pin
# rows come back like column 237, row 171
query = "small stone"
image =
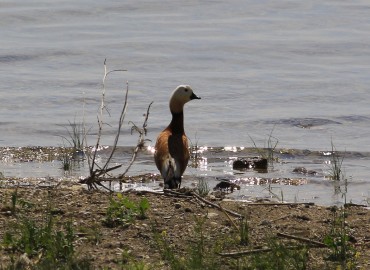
column 212, row 197
column 225, row 230
column 212, row 214
column 265, row 223
column 24, row 260
column 301, row 170
column 213, row 223
column 177, row 205
column 302, row 217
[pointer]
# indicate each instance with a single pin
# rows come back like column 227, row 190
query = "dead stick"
column 140, row 141
column 248, row 252
column 280, row 218
column 138, row 192
column 269, row 204
column 216, row 205
column 244, row 252
column 232, row 221
column 169, row 192
column 306, row 240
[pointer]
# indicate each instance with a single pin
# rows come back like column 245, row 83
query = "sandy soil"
column 177, row 219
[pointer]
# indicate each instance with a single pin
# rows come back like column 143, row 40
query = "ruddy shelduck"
column 171, row 149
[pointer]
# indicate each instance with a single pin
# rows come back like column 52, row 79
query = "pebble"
column 212, row 214
column 265, row 223
column 212, row 197
column 213, row 223
column 225, row 230
column 24, row 260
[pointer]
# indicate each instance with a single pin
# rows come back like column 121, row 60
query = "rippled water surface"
column 297, row 69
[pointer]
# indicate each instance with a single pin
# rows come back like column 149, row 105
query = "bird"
column 171, row 154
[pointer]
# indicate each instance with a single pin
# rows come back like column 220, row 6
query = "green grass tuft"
column 123, row 212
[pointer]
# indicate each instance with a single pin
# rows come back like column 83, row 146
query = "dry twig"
column 216, row 205
column 229, row 218
column 282, row 204
column 97, row 172
column 249, row 252
column 141, row 140
column 303, row 239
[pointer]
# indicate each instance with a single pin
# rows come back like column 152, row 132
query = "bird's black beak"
column 194, row 96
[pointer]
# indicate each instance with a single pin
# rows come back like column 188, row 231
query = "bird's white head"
column 181, row 95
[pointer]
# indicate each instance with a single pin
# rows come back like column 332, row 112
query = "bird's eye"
column 186, row 89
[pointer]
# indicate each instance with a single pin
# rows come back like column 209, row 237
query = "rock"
column 239, row 164
column 303, row 170
column 218, row 194
column 214, row 224
column 57, row 212
column 265, row 223
column 226, row 186
column 212, row 214
column 24, row 261
column 212, row 197
column 250, row 163
column 225, row 230
column 302, row 217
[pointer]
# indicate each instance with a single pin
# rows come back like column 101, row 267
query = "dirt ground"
column 177, row 219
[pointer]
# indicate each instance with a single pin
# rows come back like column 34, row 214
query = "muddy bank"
column 177, row 220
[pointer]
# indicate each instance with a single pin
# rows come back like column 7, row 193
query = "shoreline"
column 177, row 219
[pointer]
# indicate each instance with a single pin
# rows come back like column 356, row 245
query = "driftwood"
column 355, row 205
column 249, row 252
column 261, row 250
column 141, row 192
column 302, row 239
column 216, row 205
column 280, row 218
column 281, row 204
column 170, row 192
column 230, row 219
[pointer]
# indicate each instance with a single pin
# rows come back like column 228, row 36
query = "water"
column 299, row 69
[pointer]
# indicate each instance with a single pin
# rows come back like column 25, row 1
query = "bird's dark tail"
column 170, row 181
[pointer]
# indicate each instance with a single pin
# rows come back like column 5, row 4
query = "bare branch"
column 96, row 172
column 250, row 251
column 120, row 122
column 303, row 239
column 217, row 206
column 140, row 142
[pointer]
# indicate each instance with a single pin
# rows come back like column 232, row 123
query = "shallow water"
column 299, row 69
column 213, row 165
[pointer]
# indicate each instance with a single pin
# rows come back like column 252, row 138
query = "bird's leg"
column 177, row 182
